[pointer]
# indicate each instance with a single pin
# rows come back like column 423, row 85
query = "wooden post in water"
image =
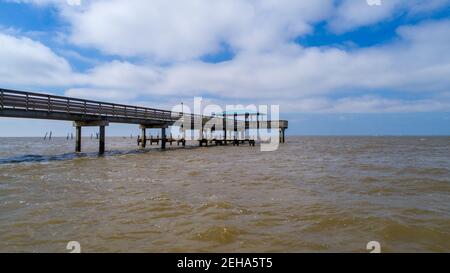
column 235, row 129
column 101, row 143
column 257, row 126
column 247, row 127
column 200, row 129
column 163, row 138
column 143, row 137
column 78, row 139
column 224, row 129
column 192, row 127
column 101, row 134
column 184, row 135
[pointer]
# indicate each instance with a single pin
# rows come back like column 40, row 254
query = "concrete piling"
column 101, row 143
column 143, row 137
column 101, row 136
column 78, row 139
column 163, row 138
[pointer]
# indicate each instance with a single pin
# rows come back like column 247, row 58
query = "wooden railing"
column 19, row 100
column 29, row 101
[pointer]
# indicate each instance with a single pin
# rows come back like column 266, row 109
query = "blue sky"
column 334, row 66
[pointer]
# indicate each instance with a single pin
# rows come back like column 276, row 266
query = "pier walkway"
column 29, row 105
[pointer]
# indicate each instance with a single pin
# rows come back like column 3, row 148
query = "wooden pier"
column 86, row 113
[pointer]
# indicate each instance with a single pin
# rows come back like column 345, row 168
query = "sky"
column 335, row 67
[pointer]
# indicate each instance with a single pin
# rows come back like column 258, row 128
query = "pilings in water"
column 221, row 130
column 77, row 139
column 224, row 120
column 101, row 135
column 247, row 126
column 257, row 126
column 163, row 138
column 143, row 137
column 142, row 140
column 101, row 141
column 235, row 129
column 49, row 136
column 282, row 135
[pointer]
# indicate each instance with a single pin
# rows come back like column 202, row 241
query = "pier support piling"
column 78, row 139
column 192, row 127
column 235, row 128
column 101, row 135
column 247, row 126
column 163, row 138
column 224, row 129
column 143, row 137
column 257, row 127
column 101, row 142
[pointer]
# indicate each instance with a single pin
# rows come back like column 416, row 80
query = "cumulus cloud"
column 416, row 64
column 169, row 39
column 106, row 94
column 365, row 104
column 351, row 14
column 27, row 62
column 123, row 75
column 182, row 30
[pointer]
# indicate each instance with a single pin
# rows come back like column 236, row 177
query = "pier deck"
column 30, row 105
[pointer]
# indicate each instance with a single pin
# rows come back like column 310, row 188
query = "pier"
column 88, row 113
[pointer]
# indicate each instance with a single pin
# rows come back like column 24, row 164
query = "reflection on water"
column 317, row 194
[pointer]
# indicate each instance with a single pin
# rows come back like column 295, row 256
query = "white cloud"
column 182, row 30
column 351, row 14
column 177, row 30
column 108, row 94
column 47, row 2
column 123, row 75
column 267, row 68
column 27, row 62
column 365, row 104
column 417, row 64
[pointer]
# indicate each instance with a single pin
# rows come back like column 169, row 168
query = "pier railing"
column 37, row 105
column 28, row 101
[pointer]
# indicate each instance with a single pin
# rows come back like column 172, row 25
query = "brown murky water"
column 315, row 194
